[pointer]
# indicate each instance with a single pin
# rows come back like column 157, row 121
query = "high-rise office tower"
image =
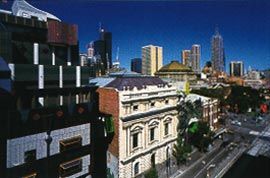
column 195, row 56
column 103, row 49
column 151, row 59
column 136, row 65
column 186, row 58
column 107, row 38
column 236, row 68
column 218, row 55
column 90, row 50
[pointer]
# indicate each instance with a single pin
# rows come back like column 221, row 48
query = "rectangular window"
column 152, row 104
column 166, row 102
column 135, row 108
column 71, row 143
column 152, row 134
column 166, row 129
column 30, row 156
column 135, row 140
column 69, row 168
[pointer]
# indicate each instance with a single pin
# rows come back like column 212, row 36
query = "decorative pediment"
column 136, row 128
column 153, row 123
column 168, row 119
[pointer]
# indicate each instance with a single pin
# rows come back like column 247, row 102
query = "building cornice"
column 147, row 114
column 148, row 98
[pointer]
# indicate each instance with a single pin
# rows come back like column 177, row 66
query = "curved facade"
column 23, row 9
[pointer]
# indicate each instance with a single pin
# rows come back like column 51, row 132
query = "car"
column 238, row 123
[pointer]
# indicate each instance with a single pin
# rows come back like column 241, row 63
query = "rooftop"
column 194, row 97
column 139, row 82
column 175, row 66
column 24, row 9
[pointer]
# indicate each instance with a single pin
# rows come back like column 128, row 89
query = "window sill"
column 167, row 136
column 152, row 142
column 133, row 150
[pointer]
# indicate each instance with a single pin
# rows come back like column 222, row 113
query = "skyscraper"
column 103, row 49
column 90, row 50
column 218, row 55
column 151, row 59
column 186, row 58
column 107, row 38
column 236, row 68
column 195, row 56
column 136, row 65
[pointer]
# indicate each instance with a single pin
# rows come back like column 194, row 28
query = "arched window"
column 167, row 123
column 136, row 168
column 135, row 136
column 153, row 126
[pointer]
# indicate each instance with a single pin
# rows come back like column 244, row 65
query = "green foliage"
column 202, row 137
column 151, row 173
column 187, row 111
column 239, row 98
column 218, row 93
column 109, row 174
column 193, row 128
column 243, row 98
column 181, row 150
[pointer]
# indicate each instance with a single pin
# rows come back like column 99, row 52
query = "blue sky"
column 174, row 25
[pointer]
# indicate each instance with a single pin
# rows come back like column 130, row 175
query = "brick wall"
column 109, row 104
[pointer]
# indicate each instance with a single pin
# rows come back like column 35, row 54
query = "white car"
column 238, row 123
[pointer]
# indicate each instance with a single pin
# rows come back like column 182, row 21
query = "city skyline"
column 167, row 24
column 71, row 114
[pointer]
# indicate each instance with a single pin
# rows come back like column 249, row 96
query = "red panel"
column 62, row 33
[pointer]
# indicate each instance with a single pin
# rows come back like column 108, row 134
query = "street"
column 216, row 162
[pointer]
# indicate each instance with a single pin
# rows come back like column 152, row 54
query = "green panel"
column 51, row 73
column 26, row 72
column 51, row 101
column 85, row 74
column 109, row 124
column 45, row 54
column 69, row 76
column 5, row 46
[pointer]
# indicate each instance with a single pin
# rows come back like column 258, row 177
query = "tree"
column 200, row 136
column 181, row 150
column 187, row 110
column 243, row 98
column 151, row 173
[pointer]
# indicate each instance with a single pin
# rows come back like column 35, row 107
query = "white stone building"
column 145, row 120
